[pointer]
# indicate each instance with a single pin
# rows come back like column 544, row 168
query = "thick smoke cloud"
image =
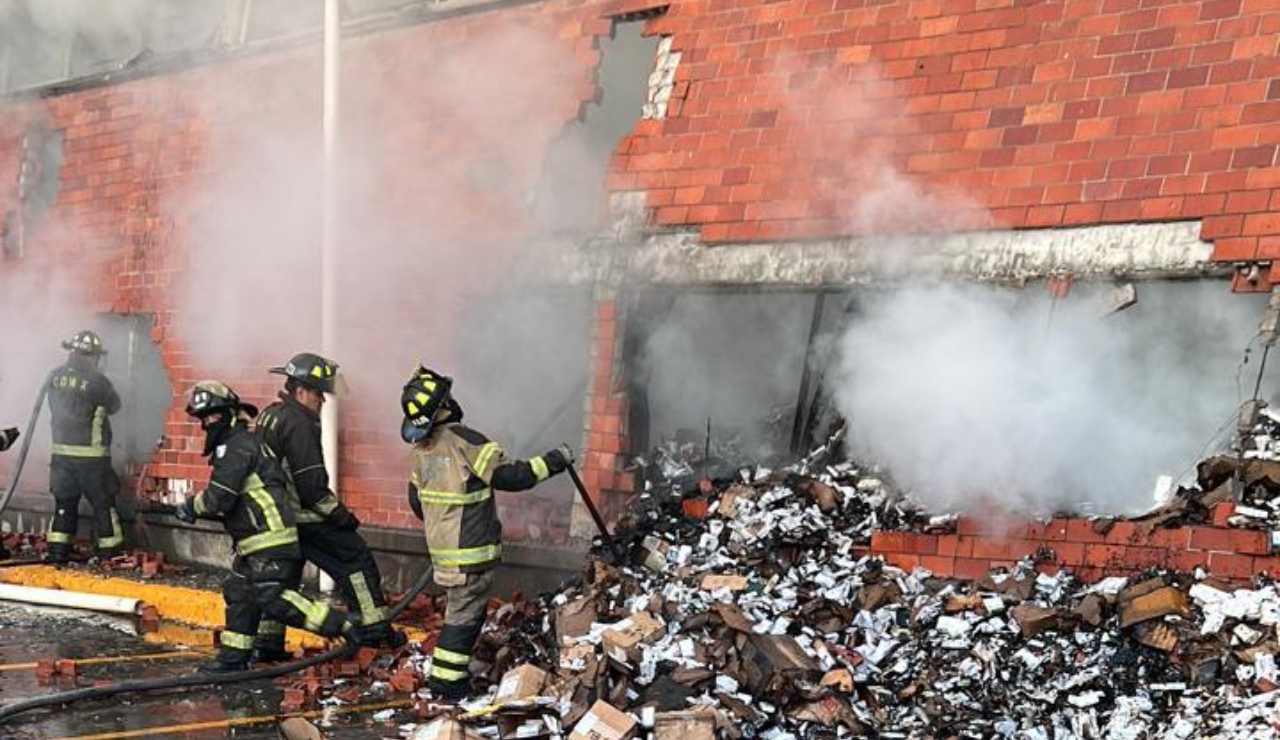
column 973, row 394
column 435, row 260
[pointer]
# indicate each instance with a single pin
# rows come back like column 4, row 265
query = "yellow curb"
column 192, row 606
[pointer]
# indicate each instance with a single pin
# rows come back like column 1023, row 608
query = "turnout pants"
column 95, row 480
column 263, row 585
column 468, row 597
column 345, row 556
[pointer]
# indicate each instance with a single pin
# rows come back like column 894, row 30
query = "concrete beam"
column 1154, row 250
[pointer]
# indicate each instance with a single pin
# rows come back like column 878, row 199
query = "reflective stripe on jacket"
column 451, row 476
column 80, row 400
column 248, row 491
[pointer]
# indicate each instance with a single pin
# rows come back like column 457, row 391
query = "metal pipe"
column 69, row 599
column 329, row 237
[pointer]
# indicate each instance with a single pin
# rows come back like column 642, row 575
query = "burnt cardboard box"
column 573, row 620
column 684, row 726
column 521, row 682
column 623, row 640
column 604, row 722
column 444, row 728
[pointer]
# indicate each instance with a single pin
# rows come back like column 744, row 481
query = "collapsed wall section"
column 1089, row 549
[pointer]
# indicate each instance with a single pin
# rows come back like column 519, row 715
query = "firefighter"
column 81, row 400
column 248, row 492
column 326, row 528
column 455, row 470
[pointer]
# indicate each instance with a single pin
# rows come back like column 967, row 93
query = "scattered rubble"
column 762, row 616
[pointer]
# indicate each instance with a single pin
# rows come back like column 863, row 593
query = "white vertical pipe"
column 329, row 236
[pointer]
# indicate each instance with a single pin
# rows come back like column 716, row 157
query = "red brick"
column 888, row 542
column 1228, row 540
column 970, row 569
column 920, row 543
column 938, row 565
column 1068, row 553
column 1081, row 530
column 1235, row 249
column 1230, row 565
column 1104, row 556
column 901, row 560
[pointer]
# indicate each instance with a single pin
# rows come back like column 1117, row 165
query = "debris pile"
column 755, row 614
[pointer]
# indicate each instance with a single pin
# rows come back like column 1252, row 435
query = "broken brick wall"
column 1091, row 550
column 1039, row 114
column 1033, row 114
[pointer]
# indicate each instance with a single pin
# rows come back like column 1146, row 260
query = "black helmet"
column 212, row 396
column 423, row 396
column 311, row 370
column 85, row 343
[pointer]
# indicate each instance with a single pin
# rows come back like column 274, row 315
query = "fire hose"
column 26, row 447
column 348, row 647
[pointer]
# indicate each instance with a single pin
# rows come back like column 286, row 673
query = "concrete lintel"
column 1151, row 250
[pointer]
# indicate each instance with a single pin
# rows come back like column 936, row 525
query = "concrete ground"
column 246, row 711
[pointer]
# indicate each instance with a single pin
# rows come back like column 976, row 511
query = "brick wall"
column 783, row 116
column 1083, row 547
column 1039, row 114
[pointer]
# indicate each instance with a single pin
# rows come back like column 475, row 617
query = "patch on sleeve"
column 220, row 451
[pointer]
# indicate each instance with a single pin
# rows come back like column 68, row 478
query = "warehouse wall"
column 775, row 121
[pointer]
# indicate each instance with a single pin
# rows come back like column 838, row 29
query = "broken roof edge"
column 1166, row 250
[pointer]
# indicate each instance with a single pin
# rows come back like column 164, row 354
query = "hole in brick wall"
column 736, row 357
column 568, row 201
column 134, row 365
column 40, row 159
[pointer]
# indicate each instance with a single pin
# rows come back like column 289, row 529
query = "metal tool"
column 591, row 507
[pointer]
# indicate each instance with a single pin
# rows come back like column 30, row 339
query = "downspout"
column 328, row 239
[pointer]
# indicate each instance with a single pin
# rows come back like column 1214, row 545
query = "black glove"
column 342, row 518
column 415, row 503
column 186, row 512
column 8, row 437
column 559, row 459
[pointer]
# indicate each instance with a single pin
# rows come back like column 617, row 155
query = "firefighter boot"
column 451, row 692
column 229, row 660
column 378, row 635
column 58, row 554
column 270, row 654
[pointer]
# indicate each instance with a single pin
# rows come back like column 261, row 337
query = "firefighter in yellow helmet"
column 248, row 492
column 454, row 472
column 82, row 400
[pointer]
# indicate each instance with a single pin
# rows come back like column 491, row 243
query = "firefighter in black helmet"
column 326, row 528
column 455, row 471
column 81, row 399
column 248, row 492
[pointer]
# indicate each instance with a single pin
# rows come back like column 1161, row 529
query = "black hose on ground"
column 26, row 447
column 207, row 679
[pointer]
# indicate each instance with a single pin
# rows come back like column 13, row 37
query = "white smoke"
column 976, row 394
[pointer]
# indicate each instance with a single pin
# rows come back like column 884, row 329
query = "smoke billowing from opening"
column 974, row 394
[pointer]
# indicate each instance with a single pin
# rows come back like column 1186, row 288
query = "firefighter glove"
column 186, row 512
column 342, row 518
column 559, row 459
